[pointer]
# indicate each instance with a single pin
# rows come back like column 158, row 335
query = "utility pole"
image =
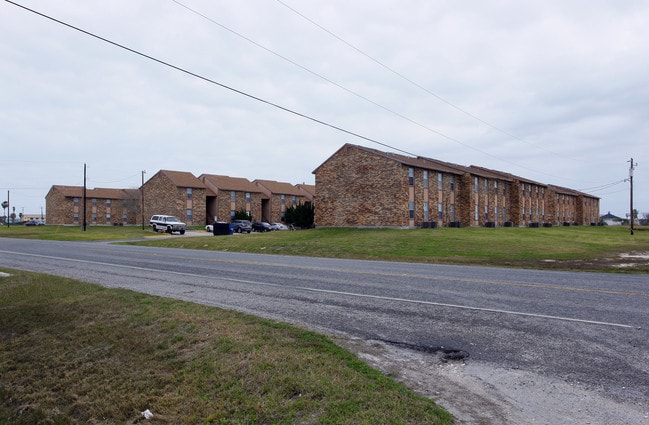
column 142, row 193
column 631, row 215
column 84, row 196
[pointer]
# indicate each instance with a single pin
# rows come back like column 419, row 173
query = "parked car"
column 167, row 223
column 279, row 226
column 33, row 223
column 261, row 226
column 209, row 228
column 241, row 226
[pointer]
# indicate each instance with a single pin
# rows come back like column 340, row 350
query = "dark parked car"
column 34, row 223
column 241, row 226
column 261, row 226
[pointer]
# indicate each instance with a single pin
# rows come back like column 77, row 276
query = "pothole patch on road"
column 445, row 354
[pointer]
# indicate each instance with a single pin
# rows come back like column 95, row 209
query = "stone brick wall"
column 58, row 208
column 355, row 188
column 162, row 196
column 225, row 206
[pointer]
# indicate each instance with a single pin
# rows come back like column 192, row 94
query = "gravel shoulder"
column 480, row 394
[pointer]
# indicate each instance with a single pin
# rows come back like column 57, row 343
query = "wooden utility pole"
column 142, row 199
column 631, row 215
column 84, row 197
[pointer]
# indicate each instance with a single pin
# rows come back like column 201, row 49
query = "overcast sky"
column 554, row 91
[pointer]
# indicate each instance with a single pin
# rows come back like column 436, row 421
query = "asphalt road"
column 586, row 329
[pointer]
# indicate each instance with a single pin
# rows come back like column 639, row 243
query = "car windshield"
column 172, row 219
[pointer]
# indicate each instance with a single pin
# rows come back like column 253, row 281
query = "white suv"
column 167, row 223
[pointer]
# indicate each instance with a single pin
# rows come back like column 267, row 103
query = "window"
column 189, row 193
column 108, row 203
column 452, row 213
column 476, row 184
column 486, row 186
column 504, row 189
column 486, row 213
column 247, row 197
column 232, row 214
column 75, row 201
column 94, row 217
column 189, row 216
column 495, row 213
column 411, row 176
column 495, row 187
column 452, row 183
column 504, row 213
column 426, row 179
column 411, row 209
column 476, row 217
column 94, row 202
column 107, row 218
column 233, row 196
column 124, row 218
column 440, row 211
column 294, row 200
column 440, row 180
column 282, row 199
column 425, row 211
column 75, row 217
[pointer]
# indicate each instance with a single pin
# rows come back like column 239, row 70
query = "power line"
column 267, row 102
column 177, row 68
column 603, row 187
column 414, row 83
column 328, row 80
column 425, row 127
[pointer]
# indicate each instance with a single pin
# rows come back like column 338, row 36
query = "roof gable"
column 183, row 179
column 280, row 188
column 238, row 184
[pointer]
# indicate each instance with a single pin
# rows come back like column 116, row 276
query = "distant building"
column 278, row 197
column 611, row 219
column 360, row 186
column 355, row 187
column 177, row 193
column 64, row 205
column 227, row 195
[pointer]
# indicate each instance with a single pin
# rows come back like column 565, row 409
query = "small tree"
column 242, row 214
column 301, row 215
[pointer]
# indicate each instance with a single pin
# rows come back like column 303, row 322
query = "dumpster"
column 221, row 228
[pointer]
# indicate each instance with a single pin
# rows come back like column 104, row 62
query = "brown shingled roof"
column 419, row 162
column 238, row 184
column 183, row 179
column 97, row 193
column 279, row 188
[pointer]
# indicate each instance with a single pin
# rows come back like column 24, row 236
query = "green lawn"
column 568, row 248
column 72, row 352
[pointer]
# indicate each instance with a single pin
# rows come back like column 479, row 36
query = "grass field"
column 72, row 352
column 567, row 248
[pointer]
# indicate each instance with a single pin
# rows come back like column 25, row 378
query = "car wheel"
column 155, row 229
column 169, row 230
column 182, row 232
